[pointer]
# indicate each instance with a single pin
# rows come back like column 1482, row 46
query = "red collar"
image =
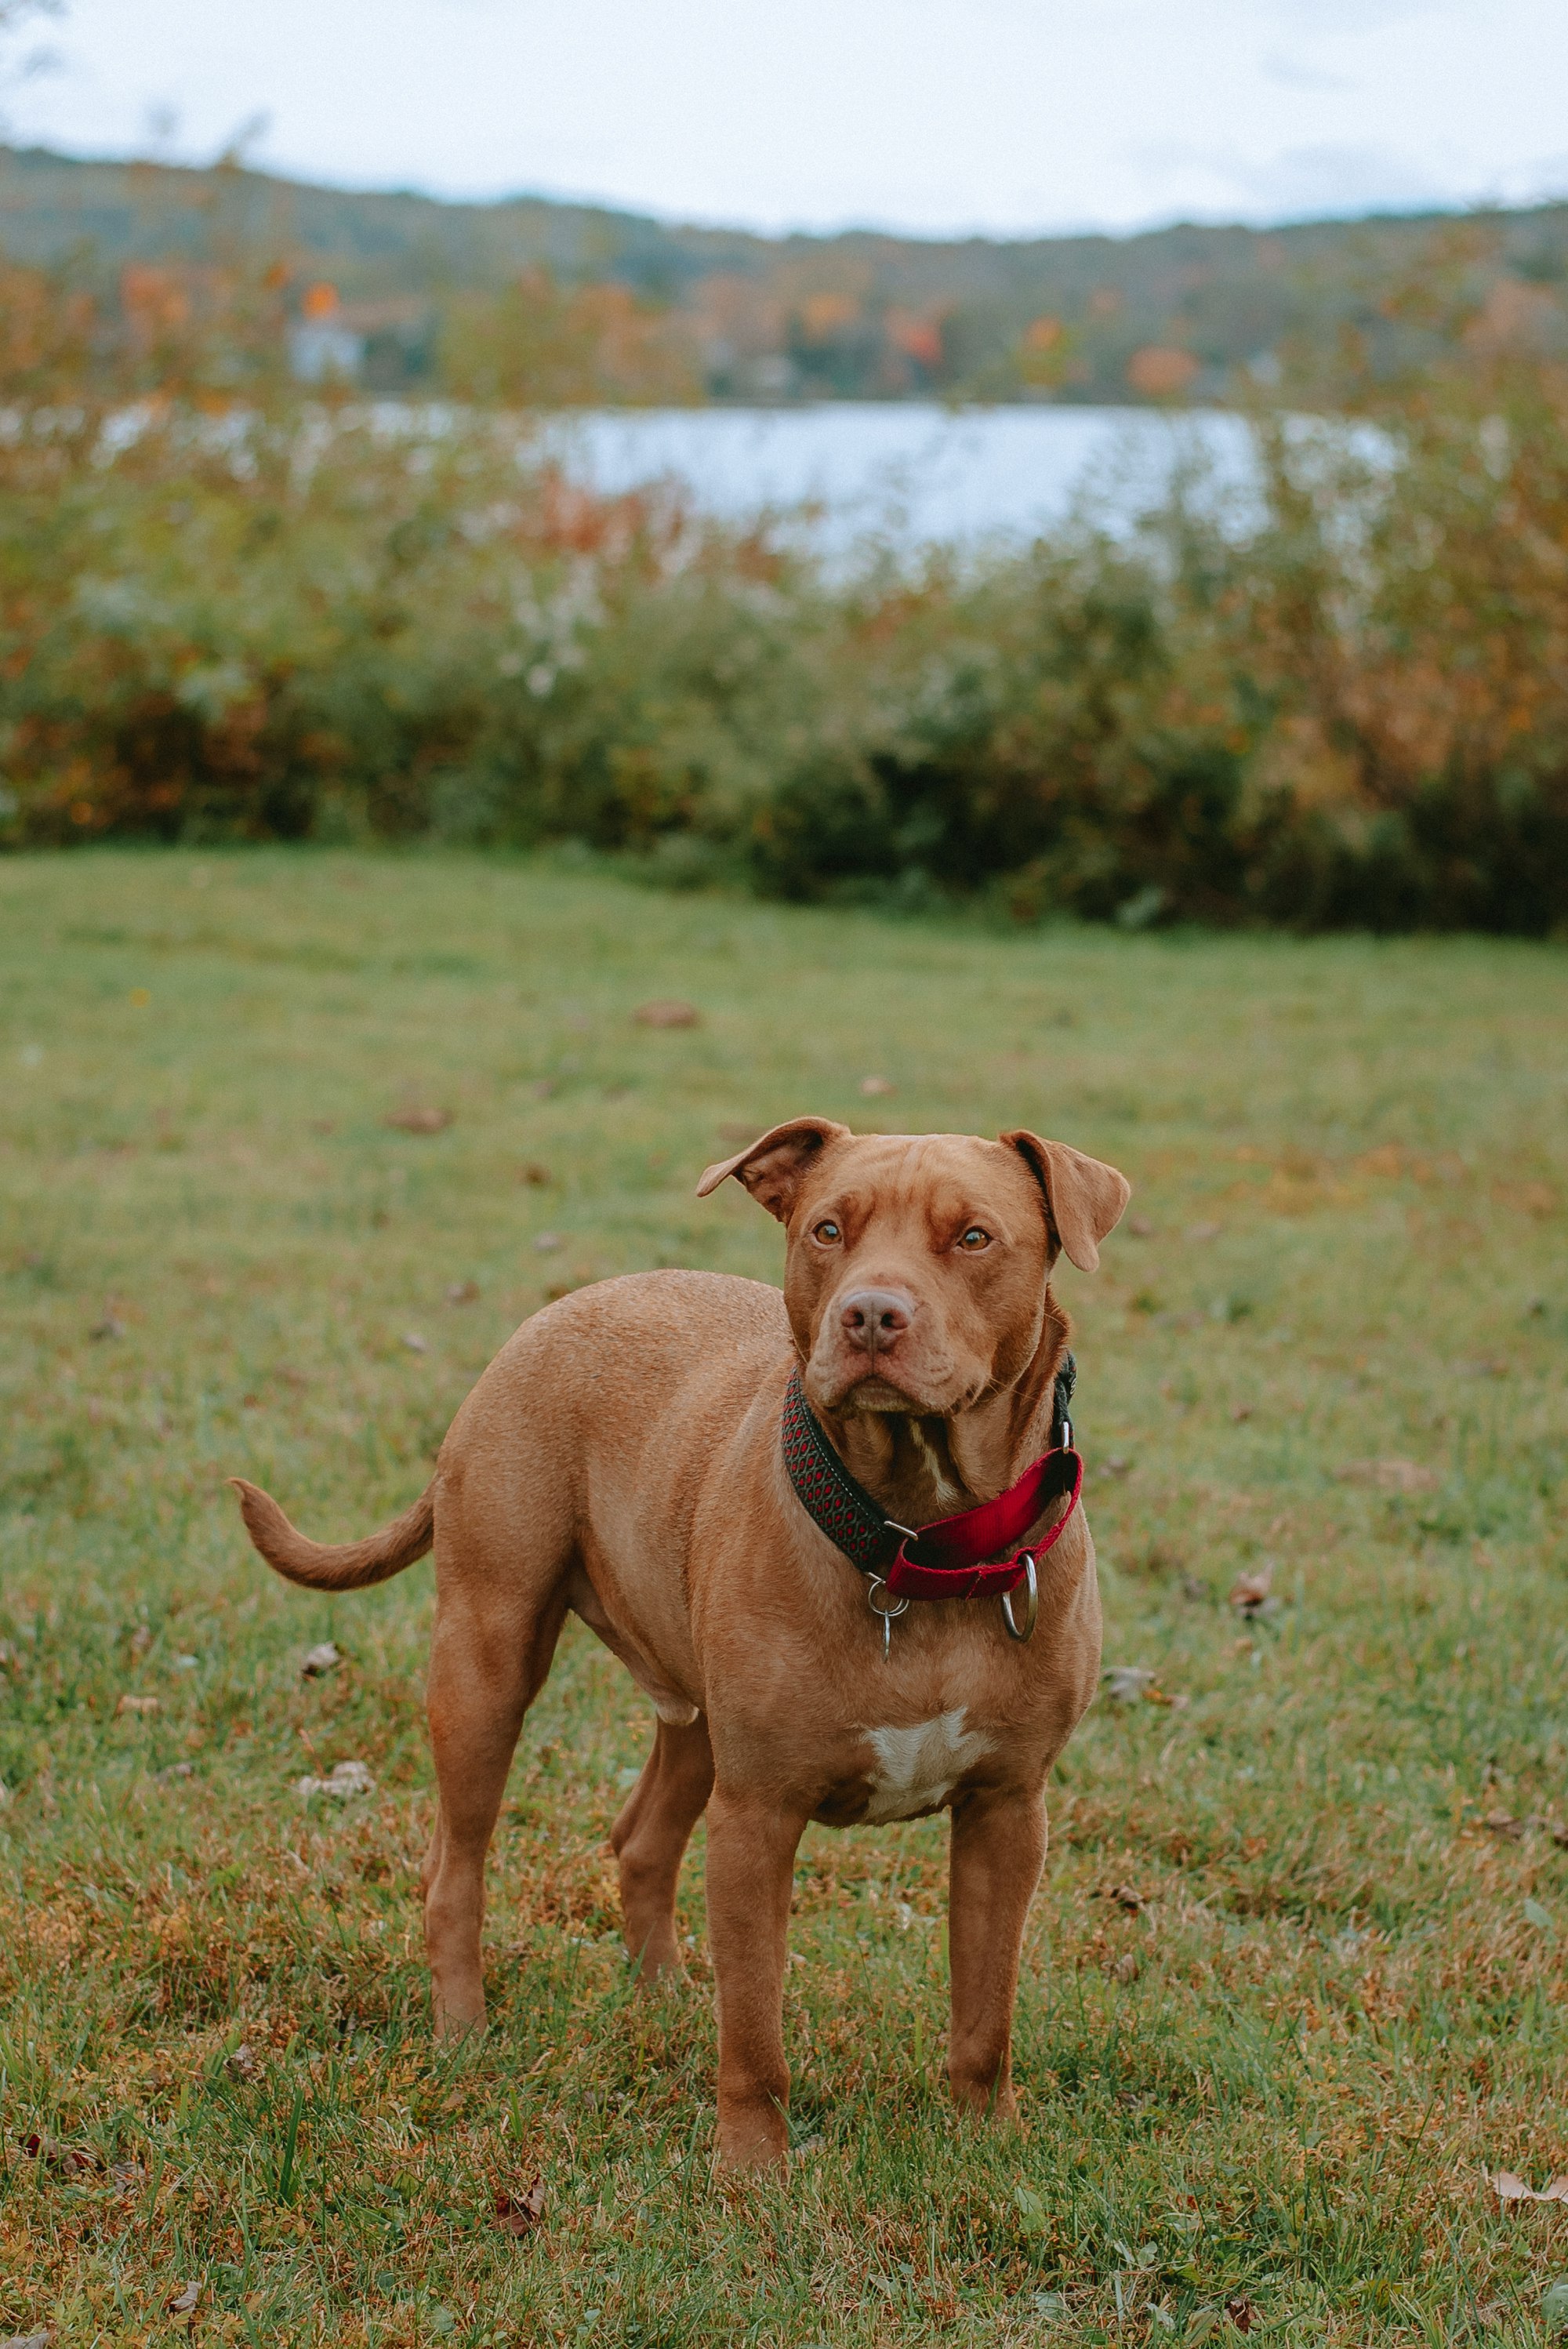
column 955, row 1558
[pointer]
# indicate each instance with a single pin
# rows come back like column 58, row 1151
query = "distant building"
column 323, row 346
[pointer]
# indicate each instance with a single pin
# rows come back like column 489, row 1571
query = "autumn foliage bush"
column 230, row 611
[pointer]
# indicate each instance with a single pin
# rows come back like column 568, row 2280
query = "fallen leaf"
column 243, row 2061
column 533, row 1173
column 346, row 1778
column 875, row 1087
column 1504, row 1823
column 518, row 2214
column 1242, row 2313
column 1250, row 1592
column 1127, row 1969
column 1510, row 2189
column 415, row 1343
column 184, row 2302
column 323, row 1658
column 1126, row 1897
column 29, row 2340
column 547, row 1243
column 1127, row 1682
column 416, row 1120
column 666, row 1013
column 1389, row 1476
column 462, row 1292
column 137, row 1704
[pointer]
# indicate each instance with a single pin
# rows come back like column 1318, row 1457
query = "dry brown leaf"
column 518, row 2214
column 183, row 2304
column 346, row 1778
column 1504, row 1823
column 1126, row 1897
column 323, row 1658
column 29, row 2340
column 417, row 1119
column 1389, row 1476
column 243, row 2061
column 1510, row 2189
column 1242, row 2313
column 670, row 1013
column 1250, row 1592
column 1127, row 1682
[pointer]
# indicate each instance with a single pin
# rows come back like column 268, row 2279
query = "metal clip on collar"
column 1031, row 1602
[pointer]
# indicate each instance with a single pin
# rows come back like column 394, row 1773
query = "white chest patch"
column 918, row 1768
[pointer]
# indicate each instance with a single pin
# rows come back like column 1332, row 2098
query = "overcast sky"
column 930, row 115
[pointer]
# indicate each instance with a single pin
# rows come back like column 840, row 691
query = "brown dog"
column 622, row 1457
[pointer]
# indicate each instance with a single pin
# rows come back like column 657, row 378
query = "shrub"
column 225, row 612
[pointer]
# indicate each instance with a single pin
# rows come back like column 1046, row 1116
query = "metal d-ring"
column 1032, row 1607
column 887, row 1615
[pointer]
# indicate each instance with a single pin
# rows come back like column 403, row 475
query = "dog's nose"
column 873, row 1318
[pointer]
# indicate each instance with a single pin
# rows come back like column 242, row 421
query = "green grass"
column 1279, row 2082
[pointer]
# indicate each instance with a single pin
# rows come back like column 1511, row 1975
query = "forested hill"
column 1173, row 313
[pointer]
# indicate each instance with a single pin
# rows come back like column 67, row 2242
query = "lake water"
column 904, row 473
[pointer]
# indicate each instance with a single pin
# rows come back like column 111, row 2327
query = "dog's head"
column 916, row 1279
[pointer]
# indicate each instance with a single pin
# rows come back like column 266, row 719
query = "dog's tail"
column 335, row 1565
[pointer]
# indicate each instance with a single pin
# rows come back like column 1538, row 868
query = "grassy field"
column 1294, row 1985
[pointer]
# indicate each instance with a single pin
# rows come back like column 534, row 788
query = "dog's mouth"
column 855, row 1394
column 875, row 1392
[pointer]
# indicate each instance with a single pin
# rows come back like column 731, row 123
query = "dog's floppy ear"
column 771, row 1166
column 1084, row 1197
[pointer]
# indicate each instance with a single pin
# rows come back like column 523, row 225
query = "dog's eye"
column 826, row 1232
column 974, row 1239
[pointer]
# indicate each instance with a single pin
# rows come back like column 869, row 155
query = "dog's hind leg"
column 651, row 1834
column 488, row 1663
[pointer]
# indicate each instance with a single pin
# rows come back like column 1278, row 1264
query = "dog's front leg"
column 751, row 1849
column 998, row 1851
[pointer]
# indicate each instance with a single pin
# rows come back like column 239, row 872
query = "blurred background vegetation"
column 241, row 597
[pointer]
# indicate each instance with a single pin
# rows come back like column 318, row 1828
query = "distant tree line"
column 534, row 303
column 234, row 605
